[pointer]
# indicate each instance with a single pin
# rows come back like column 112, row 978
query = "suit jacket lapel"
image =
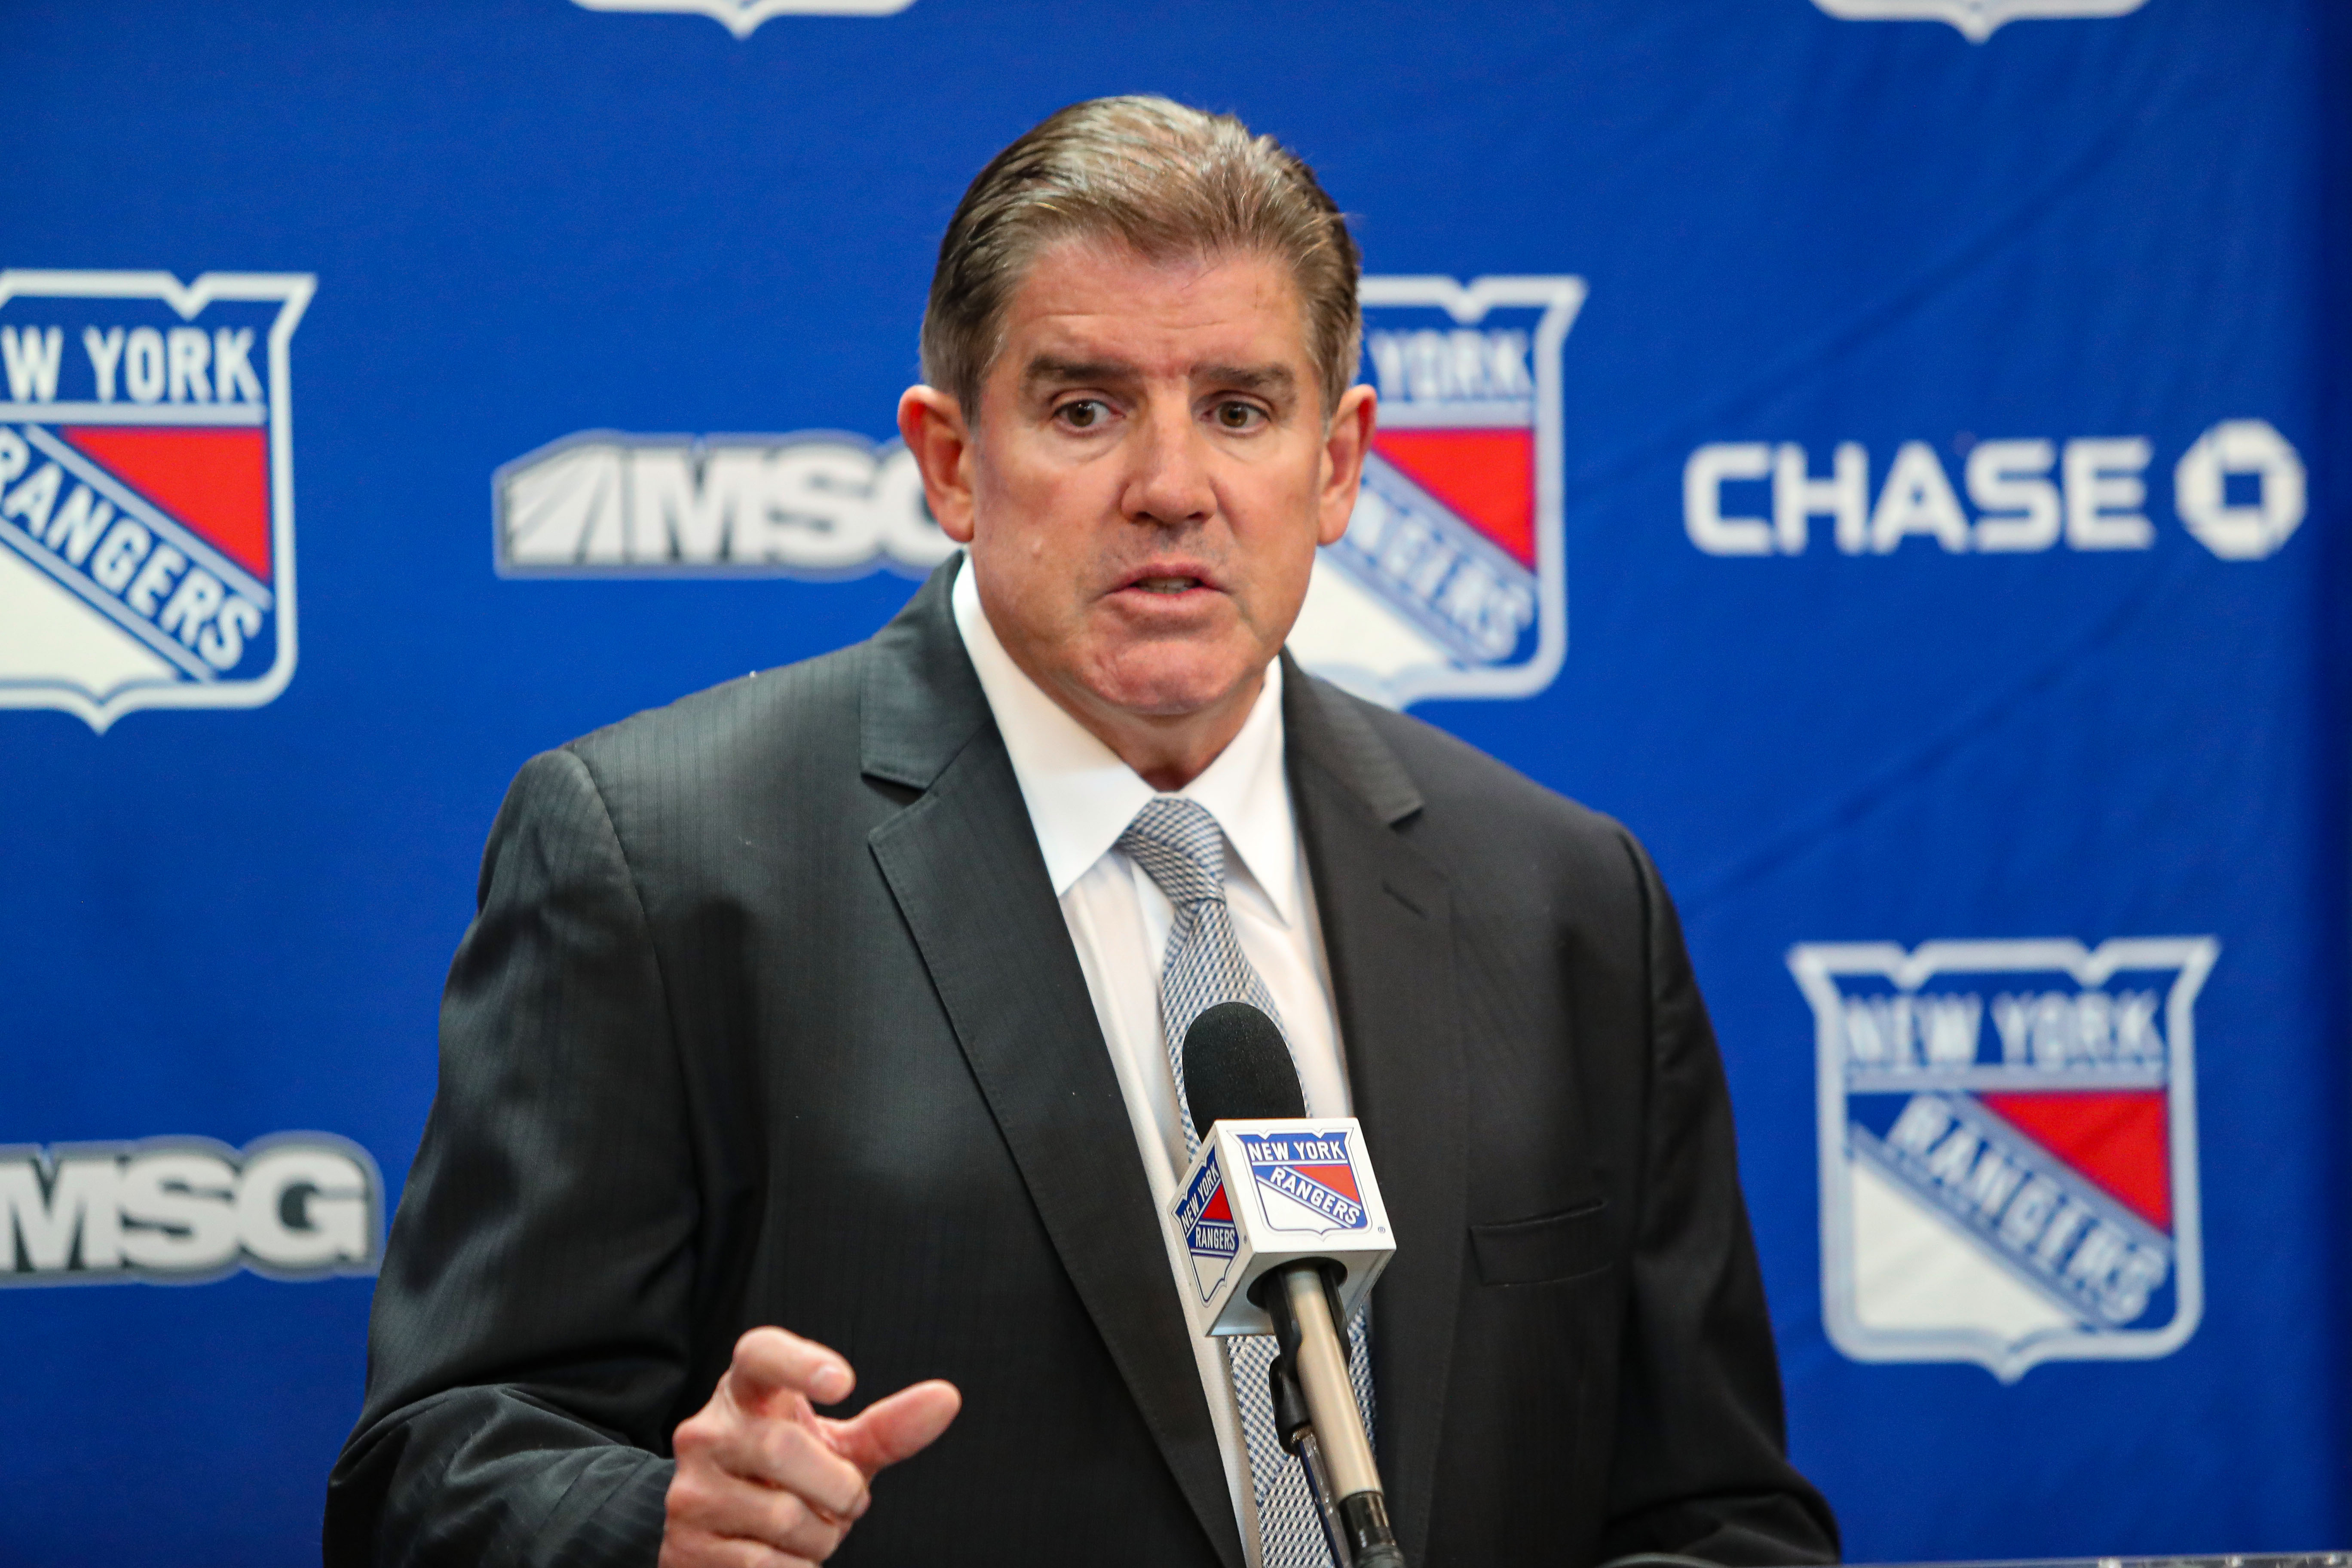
column 962, row 863
column 1386, row 914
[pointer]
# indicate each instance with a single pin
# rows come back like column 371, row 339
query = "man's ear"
column 1345, row 442
column 932, row 425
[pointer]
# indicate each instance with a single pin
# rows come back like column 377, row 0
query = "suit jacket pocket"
column 1563, row 1245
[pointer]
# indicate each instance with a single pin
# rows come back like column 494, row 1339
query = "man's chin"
column 1160, row 687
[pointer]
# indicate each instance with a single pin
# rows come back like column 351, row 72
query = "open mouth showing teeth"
column 1165, row 585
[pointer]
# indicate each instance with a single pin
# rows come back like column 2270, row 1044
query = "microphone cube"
column 1263, row 1194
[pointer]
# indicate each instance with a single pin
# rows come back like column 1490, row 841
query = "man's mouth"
column 1166, row 585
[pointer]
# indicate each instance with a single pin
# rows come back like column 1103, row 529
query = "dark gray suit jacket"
column 769, row 1016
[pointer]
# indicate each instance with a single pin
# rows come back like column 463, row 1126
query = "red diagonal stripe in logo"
column 2115, row 1138
column 215, row 481
column 1486, row 477
column 1341, row 1179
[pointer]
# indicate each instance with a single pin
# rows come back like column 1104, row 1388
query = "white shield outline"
column 1561, row 296
column 1816, row 967
column 1978, row 20
column 743, row 18
column 292, row 290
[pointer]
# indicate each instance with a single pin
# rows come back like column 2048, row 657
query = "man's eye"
column 1083, row 414
column 1238, row 416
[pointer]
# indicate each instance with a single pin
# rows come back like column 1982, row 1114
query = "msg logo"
column 292, row 1205
column 813, row 504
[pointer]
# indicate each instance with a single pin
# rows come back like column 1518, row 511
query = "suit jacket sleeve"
column 526, row 1354
column 1700, row 1465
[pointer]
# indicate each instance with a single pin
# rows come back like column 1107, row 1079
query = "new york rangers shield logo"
column 1306, row 1181
column 1452, row 579
column 2008, row 1148
column 1212, row 1239
column 146, row 490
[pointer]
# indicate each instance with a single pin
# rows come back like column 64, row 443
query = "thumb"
column 898, row 1428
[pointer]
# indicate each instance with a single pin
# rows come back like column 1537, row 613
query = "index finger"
column 769, row 1362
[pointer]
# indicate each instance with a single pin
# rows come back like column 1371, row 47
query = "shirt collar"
column 1081, row 796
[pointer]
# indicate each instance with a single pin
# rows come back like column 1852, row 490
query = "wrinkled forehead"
column 1085, row 307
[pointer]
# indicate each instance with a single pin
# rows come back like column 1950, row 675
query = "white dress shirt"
column 1081, row 797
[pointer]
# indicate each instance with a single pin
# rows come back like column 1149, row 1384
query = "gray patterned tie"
column 1183, row 850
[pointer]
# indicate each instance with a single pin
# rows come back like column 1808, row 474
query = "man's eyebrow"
column 1049, row 369
column 1269, row 380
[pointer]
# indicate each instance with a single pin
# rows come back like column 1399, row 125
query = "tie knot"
column 1179, row 848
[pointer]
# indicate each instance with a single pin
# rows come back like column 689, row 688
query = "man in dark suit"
column 808, row 1003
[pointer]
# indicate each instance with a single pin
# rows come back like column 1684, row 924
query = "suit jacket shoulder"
column 1522, row 850
column 734, row 748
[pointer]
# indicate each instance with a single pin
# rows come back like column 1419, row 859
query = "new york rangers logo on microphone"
column 1265, row 1191
column 1206, row 1216
column 1306, row 1183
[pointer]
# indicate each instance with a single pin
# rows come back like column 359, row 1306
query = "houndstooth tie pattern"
column 1183, row 850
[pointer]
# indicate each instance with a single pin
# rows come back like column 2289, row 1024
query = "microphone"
column 1293, row 1245
column 1237, row 1069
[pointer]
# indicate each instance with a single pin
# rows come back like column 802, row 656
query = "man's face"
column 1149, row 479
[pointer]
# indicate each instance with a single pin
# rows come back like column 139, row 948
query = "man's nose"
column 1168, row 482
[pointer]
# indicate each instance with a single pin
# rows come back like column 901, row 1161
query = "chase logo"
column 146, row 490
column 1975, row 19
column 294, row 1206
column 1206, row 1214
column 1306, row 1181
column 2239, row 489
column 816, row 504
column 1452, row 579
column 2008, row 1148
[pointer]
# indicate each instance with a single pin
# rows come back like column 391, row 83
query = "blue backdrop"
column 1895, row 463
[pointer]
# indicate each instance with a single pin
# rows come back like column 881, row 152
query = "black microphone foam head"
column 1237, row 1069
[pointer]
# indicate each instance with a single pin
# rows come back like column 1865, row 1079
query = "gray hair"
column 1168, row 183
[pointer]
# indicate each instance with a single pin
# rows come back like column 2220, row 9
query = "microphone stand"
column 1315, row 1412
column 1297, row 1430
